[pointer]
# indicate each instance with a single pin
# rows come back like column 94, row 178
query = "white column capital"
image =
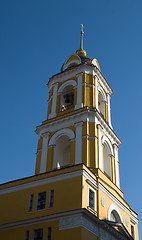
column 100, row 127
column 77, row 124
column 115, row 146
column 45, row 134
column 79, row 74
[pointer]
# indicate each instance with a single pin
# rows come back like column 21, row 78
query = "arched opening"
column 67, row 98
column 114, row 216
column 107, row 160
column 101, row 104
column 62, row 152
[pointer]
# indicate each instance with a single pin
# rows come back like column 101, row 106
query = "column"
column 100, row 146
column 44, row 152
column 109, row 115
column 96, row 92
column 79, row 91
column 78, row 143
column 54, row 101
column 116, row 165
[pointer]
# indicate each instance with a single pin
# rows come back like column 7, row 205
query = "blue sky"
column 36, row 39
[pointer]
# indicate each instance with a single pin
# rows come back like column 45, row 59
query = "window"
column 62, row 152
column 107, row 160
column 67, row 100
column 51, row 198
column 41, row 198
column 114, row 216
column 101, row 104
column 27, row 235
column 132, row 231
column 92, row 196
column 49, row 233
column 30, row 203
column 38, row 234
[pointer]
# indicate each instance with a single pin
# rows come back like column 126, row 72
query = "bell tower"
column 78, row 127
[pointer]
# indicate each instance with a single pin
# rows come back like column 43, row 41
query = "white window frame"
column 37, row 201
column 95, row 205
column 134, row 229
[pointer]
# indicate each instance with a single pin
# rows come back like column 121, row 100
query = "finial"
column 81, row 51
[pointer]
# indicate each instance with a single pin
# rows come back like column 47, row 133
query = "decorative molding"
column 114, row 207
column 103, row 201
column 66, row 131
column 67, row 83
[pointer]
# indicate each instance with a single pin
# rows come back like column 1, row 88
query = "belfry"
column 75, row 192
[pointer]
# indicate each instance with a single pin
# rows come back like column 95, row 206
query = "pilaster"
column 79, row 91
column 44, row 152
column 54, row 101
column 78, row 144
column 116, row 165
column 100, row 146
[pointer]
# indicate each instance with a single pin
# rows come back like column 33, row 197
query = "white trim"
column 106, row 140
column 114, row 207
column 101, row 90
column 100, row 147
column 88, row 85
column 54, row 101
column 67, row 83
column 131, row 224
column 67, row 121
column 95, row 200
column 96, row 92
column 77, row 61
column 109, row 114
column 92, row 70
column 79, row 91
column 44, row 152
column 66, row 131
column 116, row 166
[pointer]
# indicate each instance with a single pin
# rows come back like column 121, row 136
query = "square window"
column 49, row 233
column 41, row 199
column 132, row 231
column 38, row 234
column 91, row 198
column 27, row 235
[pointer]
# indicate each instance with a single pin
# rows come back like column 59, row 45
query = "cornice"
column 78, row 116
column 69, row 73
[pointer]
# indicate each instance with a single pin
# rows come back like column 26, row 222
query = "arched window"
column 67, row 94
column 67, row 98
column 62, row 152
column 114, row 216
column 61, row 142
column 107, row 160
column 101, row 104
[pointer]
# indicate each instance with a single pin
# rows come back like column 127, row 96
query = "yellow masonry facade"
column 75, row 192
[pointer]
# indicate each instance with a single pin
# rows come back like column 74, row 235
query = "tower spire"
column 81, row 51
